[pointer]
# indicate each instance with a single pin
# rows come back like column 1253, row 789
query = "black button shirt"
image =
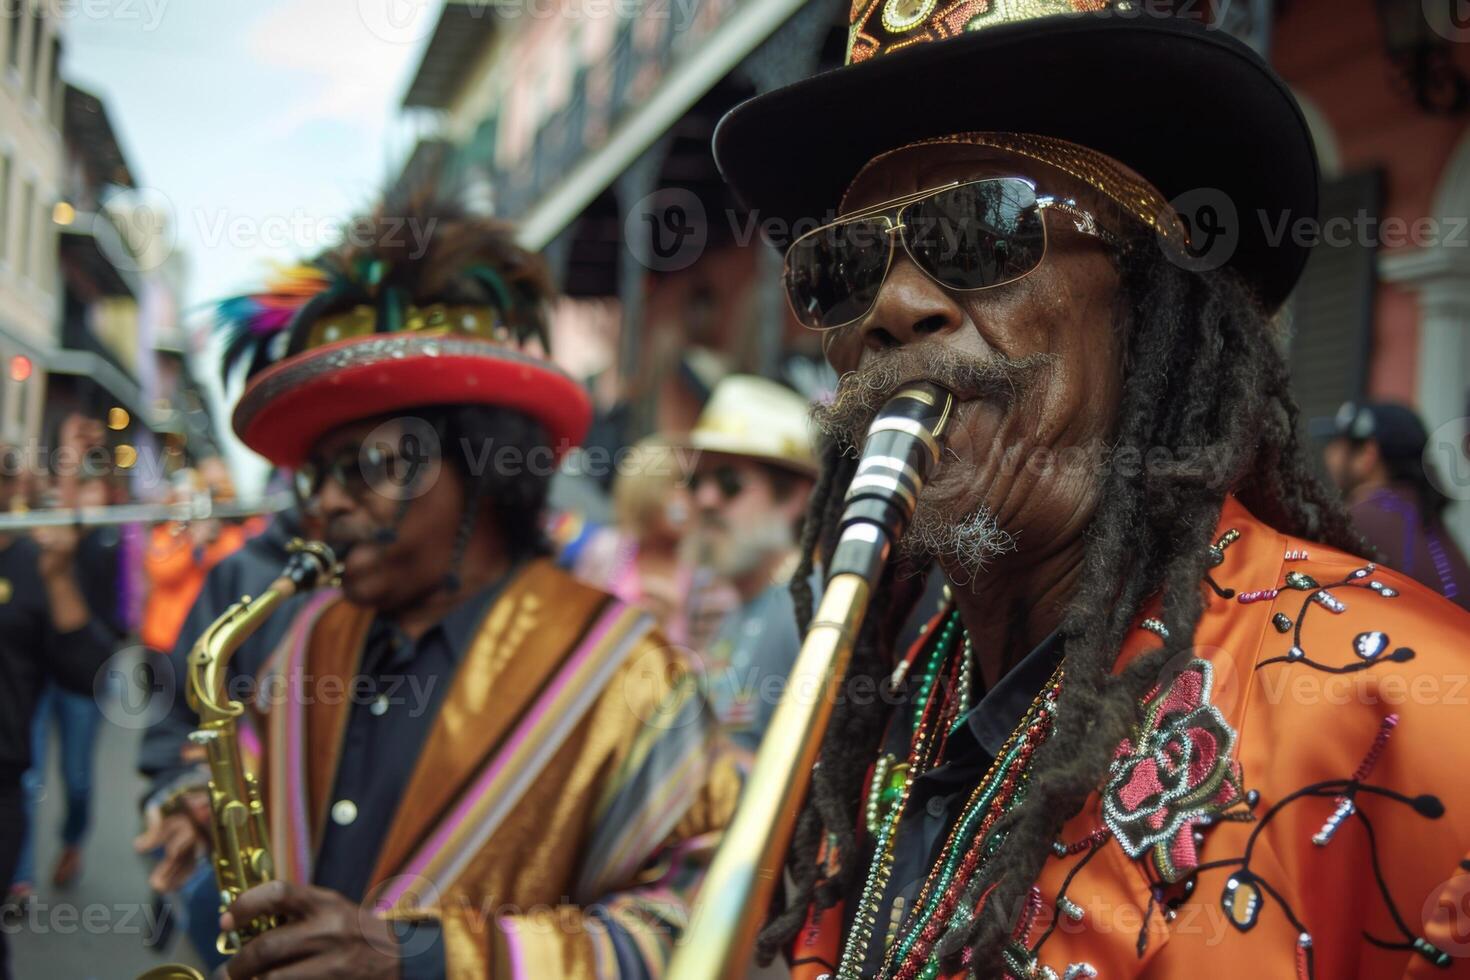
column 937, row 797
column 404, row 684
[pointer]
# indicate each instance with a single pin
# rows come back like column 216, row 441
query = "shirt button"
column 344, row 812
column 379, row 707
column 936, row 806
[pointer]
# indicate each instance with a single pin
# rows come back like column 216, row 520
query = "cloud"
column 349, row 73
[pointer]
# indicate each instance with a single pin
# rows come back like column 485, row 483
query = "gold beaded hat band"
column 328, row 347
column 1135, row 197
column 1150, row 105
column 438, row 319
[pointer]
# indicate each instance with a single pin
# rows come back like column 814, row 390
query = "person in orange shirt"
column 1166, row 725
column 179, row 556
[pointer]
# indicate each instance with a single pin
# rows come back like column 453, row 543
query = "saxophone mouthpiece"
column 312, row 564
column 901, row 452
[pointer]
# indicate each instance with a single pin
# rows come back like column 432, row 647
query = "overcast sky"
column 260, row 124
column 257, row 126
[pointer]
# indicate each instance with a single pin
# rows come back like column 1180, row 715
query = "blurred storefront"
column 1385, row 309
column 590, row 125
column 121, row 355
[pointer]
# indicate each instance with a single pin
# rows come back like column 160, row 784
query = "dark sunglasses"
column 726, row 477
column 357, row 471
column 966, row 235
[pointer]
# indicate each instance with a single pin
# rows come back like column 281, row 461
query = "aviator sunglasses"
column 360, row 470
column 965, row 235
column 726, row 478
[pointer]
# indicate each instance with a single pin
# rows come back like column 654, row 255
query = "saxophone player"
column 473, row 766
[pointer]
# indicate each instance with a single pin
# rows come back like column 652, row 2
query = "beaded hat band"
column 439, row 319
column 1135, row 196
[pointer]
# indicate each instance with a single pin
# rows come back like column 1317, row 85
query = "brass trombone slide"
column 901, row 449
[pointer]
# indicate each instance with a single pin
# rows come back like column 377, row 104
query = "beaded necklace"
column 893, row 789
column 967, row 845
column 970, row 842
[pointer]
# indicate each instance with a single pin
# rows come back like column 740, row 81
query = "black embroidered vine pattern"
column 1246, row 891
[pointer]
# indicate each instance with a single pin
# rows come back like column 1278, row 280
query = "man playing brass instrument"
column 1167, row 725
column 474, row 766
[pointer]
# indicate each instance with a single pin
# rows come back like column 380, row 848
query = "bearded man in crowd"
column 749, row 489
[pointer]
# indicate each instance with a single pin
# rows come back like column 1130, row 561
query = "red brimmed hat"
column 1174, row 98
column 350, row 337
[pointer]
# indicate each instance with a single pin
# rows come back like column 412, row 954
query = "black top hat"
column 1194, row 111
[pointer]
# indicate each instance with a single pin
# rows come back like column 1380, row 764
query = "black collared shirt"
column 395, row 700
column 938, row 796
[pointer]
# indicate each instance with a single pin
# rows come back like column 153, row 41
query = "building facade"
column 591, row 129
column 31, row 157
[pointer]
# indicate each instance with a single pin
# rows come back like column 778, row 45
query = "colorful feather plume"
column 250, row 323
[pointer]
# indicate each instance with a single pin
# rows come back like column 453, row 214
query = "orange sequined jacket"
column 1326, row 707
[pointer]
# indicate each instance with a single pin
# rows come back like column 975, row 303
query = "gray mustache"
column 862, row 392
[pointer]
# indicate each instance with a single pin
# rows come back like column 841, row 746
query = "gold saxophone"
column 238, row 830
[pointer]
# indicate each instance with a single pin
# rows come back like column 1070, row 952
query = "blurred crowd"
column 705, row 535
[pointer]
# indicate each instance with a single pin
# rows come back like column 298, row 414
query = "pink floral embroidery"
column 1174, row 774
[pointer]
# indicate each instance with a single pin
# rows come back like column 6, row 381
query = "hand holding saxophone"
column 322, row 934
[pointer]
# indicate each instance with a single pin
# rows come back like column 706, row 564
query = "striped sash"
column 541, row 730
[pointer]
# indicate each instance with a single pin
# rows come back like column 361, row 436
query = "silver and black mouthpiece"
column 312, row 564
column 899, row 455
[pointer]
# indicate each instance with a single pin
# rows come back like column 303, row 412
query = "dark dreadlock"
column 1203, row 372
column 513, row 489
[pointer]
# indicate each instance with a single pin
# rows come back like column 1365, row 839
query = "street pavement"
column 94, row 928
